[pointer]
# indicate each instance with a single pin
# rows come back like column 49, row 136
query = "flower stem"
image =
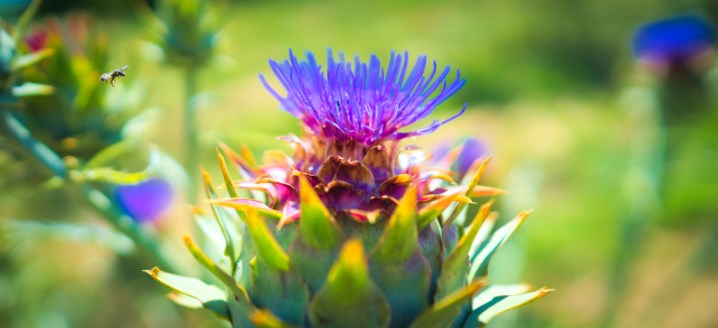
column 190, row 133
column 641, row 187
column 15, row 129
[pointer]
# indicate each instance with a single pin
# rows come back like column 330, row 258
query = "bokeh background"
column 577, row 122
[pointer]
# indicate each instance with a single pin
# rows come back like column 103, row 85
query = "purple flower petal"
column 362, row 102
column 674, row 39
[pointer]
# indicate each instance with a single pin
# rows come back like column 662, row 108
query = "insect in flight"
column 111, row 76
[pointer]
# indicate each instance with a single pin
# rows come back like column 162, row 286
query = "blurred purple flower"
column 472, row 150
column 37, row 40
column 362, row 102
column 439, row 152
column 146, row 201
column 674, row 40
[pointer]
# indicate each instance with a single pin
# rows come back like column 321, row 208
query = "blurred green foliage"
column 544, row 80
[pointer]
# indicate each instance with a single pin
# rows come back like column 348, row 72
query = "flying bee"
column 111, row 76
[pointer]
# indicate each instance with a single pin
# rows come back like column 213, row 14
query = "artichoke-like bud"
column 66, row 117
column 353, row 230
column 15, row 89
column 188, row 36
column 83, row 118
column 14, row 60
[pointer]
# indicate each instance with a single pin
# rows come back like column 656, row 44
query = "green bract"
column 329, row 270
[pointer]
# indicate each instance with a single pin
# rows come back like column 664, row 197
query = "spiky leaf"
column 433, row 210
column 315, row 248
column 443, row 312
column 399, row 240
column 456, row 265
column 32, row 58
column 468, row 191
column 224, row 277
column 211, row 296
column 265, row 319
column 243, row 204
column 316, row 225
column 29, row 89
column 480, row 260
column 283, row 292
column 484, row 313
column 398, row 266
column 268, row 249
column 349, row 296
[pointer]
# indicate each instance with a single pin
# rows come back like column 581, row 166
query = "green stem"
column 103, row 205
column 190, row 133
column 641, row 187
column 15, row 129
column 99, row 201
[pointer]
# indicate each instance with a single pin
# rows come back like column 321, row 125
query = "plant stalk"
column 96, row 198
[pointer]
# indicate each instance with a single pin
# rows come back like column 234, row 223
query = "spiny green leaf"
column 24, row 21
column 267, row 247
column 283, row 293
column 32, row 58
column 484, row 313
column 456, row 265
column 469, row 190
column 210, row 296
column 316, row 224
column 398, row 266
column 225, row 174
column 224, row 277
column 433, row 210
column 231, row 247
column 488, row 293
column 315, row 247
column 406, row 285
column 110, row 175
column 443, row 312
column 265, row 319
column 480, row 259
column 29, row 89
column 399, row 240
column 349, row 297
column 184, row 300
column 244, row 204
column 111, row 153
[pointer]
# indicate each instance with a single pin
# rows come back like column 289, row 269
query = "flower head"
column 356, row 229
column 673, row 41
column 362, row 102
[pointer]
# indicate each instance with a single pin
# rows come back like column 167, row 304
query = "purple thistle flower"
column 472, row 150
column 362, row 102
column 673, row 40
column 146, row 201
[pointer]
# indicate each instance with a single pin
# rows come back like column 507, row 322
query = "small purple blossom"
column 146, row 201
column 363, row 102
column 673, row 40
column 472, row 150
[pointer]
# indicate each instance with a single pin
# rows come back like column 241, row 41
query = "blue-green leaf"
column 29, row 89
column 481, row 315
column 211, row 296
column 349, row 297
column 32, row 58
column 480, row 259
